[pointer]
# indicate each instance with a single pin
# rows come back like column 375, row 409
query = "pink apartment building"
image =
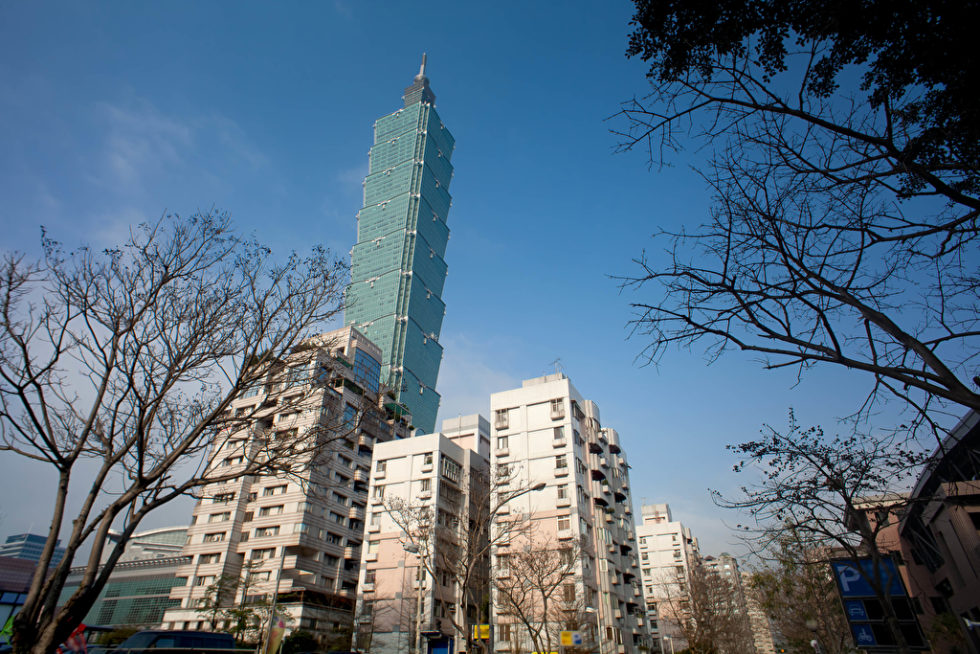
column 425, row 496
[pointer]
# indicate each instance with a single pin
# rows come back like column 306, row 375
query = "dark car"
column 182, row 642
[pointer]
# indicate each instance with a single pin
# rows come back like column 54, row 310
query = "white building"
column 300, row 531
column 667, row 551
column 426, row 494
column 546, row 433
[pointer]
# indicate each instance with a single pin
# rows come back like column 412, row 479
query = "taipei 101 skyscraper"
column 397, row 266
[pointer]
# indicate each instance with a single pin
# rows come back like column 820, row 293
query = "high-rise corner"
column 397, row 265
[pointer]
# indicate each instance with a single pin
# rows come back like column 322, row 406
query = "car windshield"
column 136, row 641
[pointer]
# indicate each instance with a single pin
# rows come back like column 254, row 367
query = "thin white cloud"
column 467, row 378
column 140, row 141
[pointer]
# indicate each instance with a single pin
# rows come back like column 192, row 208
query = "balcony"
column 363, row 476
column 356, row 512
column 502, row 451
column 367, row 588
column 599, row 475
column 559, row 442
column 564, row 501
column 352, row 553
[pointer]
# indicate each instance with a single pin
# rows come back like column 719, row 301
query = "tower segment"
column 397, row 265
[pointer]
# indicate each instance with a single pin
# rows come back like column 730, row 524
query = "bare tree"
column 535, row 584
column 459, row 544
column 836, row 236
column 216, row 598
column 798, row 594
column 117, row 370
column 821, row 490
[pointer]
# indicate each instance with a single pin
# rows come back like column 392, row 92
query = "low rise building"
column 667, row 550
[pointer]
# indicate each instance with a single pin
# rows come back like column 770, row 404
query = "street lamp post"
column 671, row 641
column 812, row 625
column 410, row 548
column 598, row 626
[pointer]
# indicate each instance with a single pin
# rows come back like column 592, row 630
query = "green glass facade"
column 397, row 266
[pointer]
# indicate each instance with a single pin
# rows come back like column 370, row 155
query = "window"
column 339, row 499
column 369, row 576
column 232, row 461
column 287, row 435
column 274, row 490
column 206, row 559
column 215, row 537
column 559, row 433
column 501, row 442
column 219, row 517
column 336, row 517
column 427, row 459
column 503, row 471
column 379, row 491
column 561, row 462
column 426, row 485
column 563, row 492
column 223, row 498
column 501, row 418
column 503, row 631
column 262, row 532
column 205, row 580
column 564, row 523
column 263, row 554
column 373, row 546
column 333, row 538
column 568, row 592
column 270, row 510
column 375, row 519
column 381, row 466
column 557, row 409
column 251, row 391
column 503, row 564
column 451, row 470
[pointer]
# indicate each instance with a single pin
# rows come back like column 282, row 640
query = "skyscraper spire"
column 419, row 91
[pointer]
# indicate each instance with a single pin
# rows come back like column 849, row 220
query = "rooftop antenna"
column 421, row 68
column 557, row 364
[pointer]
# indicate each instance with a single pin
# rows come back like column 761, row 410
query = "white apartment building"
column 667, row 552
column 300, row 532
column 425, row 495
column 546, row 433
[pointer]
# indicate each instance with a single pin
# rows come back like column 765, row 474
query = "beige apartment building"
column 570, row 559
column 667, row 552
column 293, row 538
column 423, row 567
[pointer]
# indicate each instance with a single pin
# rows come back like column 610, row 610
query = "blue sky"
column 113, row 113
